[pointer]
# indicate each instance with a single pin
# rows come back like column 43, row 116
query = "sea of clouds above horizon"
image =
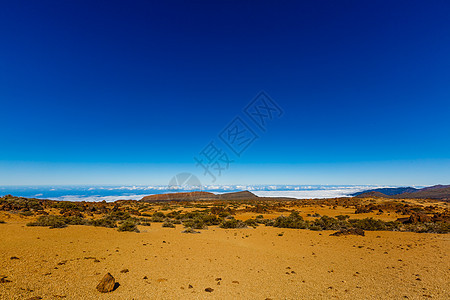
column 114, row 193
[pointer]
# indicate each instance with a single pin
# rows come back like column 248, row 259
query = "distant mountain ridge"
column 439, row 192
column 389, row 191
column 194, row 196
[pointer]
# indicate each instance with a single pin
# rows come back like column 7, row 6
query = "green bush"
column 342, row 217
column 174, row 214
column 128, row 225
column 438, row 227
column 118, row 215
column 50, row 221
column 199, row 219
column 328, row 223
column 294, row 220
column 251, row 222
column 196, row 223
column 368, row 224
column 159, row 214
column 232, row 223
column 66, row 205
column 158, row 217
column 76, row 221
column 103, row 222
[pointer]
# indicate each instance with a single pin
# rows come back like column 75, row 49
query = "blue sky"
column 108, row 92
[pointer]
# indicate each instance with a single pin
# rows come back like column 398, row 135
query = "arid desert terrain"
column 233, row 249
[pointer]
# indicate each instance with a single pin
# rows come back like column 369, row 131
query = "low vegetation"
column 128, row 215
column 128, row 225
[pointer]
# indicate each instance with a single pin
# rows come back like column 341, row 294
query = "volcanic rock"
column 107, row 284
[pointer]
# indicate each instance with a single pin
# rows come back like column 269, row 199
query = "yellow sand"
column 252, row 263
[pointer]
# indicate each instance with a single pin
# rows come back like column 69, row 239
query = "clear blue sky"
column 129, row 92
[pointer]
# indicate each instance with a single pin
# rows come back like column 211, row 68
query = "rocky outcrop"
column 350, row 231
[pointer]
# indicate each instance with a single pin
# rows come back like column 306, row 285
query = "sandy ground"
column 261, row 263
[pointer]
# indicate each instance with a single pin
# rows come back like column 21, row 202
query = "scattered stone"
column 125, row 271
column 190, row 287
column 14, row 257
column 145, row 277
column 209, row 290
column 3, row 279
column 107, row 284
column 218, row 279
column 353, row 231
column 235, row 281
column 35, row 298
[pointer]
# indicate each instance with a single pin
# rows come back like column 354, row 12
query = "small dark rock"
column 209, row 290
column 107, row 284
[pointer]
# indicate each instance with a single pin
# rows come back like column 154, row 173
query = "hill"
column 196, row 196
column 388, row 191
column 439, row 192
